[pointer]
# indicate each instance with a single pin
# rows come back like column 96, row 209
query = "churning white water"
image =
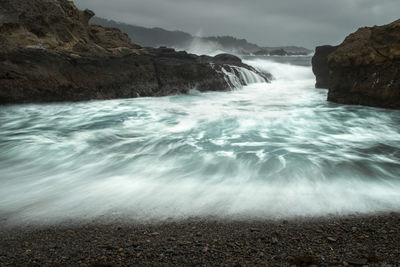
column 266, row 150
column 236, row 76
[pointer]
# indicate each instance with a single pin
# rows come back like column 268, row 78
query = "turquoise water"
column 265, row 150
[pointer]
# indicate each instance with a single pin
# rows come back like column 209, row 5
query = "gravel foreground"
column 345, row 241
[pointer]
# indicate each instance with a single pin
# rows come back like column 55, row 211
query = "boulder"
column 227, row 59
column 365, row 68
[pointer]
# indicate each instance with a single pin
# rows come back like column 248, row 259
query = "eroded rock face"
column 365, row 69
column 50, row 52
column 320, row 65
column 56, row 25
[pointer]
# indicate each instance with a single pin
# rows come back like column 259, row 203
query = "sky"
column 305, row 23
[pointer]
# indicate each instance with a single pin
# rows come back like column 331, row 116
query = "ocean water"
column 266, row 151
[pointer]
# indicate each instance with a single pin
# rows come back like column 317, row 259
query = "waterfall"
column 237, row 77
column 231, row 78
column 249, row 76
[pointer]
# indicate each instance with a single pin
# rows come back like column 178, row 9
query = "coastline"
column 354, row 240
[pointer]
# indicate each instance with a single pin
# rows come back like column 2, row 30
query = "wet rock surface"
column 364, row 69
column 50, row 52
column 346, row 241
column 320, row 65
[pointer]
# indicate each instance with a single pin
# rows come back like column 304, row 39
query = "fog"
column 265, row 22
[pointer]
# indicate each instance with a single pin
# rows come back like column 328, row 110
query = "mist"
column 306, row 23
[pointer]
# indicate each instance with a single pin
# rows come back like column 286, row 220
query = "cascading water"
column 249, row 76
column 237, row 77
column 232, row 78
column 269, row 150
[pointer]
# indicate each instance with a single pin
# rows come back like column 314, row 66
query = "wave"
column 269, row 150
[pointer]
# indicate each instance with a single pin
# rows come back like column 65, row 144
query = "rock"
column 274, row 52
column 357, row 261
column 50, row 52
column 274, row 240
column 278, row 52
column 227, row 59
column 263, row 52
column 303, row 260
column 320, row 65
column 365, row 68
column 154, row 234
column 170, row 251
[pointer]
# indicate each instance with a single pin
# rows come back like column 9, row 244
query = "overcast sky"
column 265, row 22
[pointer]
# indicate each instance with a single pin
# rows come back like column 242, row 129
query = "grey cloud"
column 265, row 22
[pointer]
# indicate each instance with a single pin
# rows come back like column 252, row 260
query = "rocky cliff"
column 50, row 52
column 365, row 68
column 320, row 65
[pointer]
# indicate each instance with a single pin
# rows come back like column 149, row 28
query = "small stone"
column 357, row 261
column 134, row 244
column 274, row 240
column 108, row 247
column 184, row 243
column 154, row 234
column 332, row 239
column 363, row 249
column 255, row 230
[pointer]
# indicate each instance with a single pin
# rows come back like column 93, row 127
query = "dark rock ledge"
column 50, row 52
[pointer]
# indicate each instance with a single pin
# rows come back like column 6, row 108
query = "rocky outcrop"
column 365, row 68
column 320, row 65
column 50, row 52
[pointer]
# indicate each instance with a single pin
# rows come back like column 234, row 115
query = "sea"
column 261, row 151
